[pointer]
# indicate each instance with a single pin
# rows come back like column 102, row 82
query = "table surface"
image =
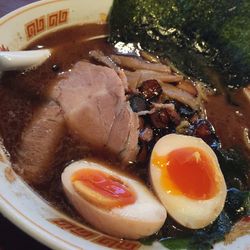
column 12, row 238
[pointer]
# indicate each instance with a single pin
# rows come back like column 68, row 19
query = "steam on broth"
column 156, row 101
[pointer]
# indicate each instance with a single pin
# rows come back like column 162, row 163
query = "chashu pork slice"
column 95, row 109
column 125, row 130
column 39, row 142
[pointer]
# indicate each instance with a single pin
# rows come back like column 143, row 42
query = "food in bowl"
column 112, row 202
column 112, row 105
column 192, row 186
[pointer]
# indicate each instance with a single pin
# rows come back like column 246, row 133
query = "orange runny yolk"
column 105, row 190
column 187, row 171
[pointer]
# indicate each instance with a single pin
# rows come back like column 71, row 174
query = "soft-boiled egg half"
column 186, row 177
column 111, row 201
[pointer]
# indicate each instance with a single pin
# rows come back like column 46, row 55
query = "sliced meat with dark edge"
column 95, row 109
column 39, row 142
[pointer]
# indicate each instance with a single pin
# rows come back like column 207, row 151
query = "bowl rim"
column 31, row 228
column 25, row 8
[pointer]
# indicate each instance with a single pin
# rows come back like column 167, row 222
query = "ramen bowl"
column 18, row 201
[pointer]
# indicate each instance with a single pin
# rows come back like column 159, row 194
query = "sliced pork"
column 39, row 142
column 95, row 109
column 131, row 149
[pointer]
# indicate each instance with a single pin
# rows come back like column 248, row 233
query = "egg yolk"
column 187, row 171
column 102, row 189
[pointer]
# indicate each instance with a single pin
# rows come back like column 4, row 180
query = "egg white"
column 142, row 218
column 188, row 212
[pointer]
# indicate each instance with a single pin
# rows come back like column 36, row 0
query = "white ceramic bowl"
column 18, row 202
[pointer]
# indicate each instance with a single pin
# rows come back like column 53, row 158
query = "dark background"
column 12, row 238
